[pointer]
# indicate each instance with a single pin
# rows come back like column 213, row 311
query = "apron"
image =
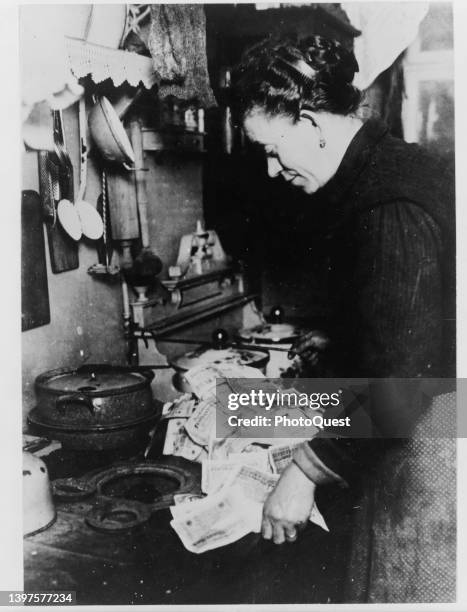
column 404, row 527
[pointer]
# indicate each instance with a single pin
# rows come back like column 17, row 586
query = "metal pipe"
column 239, row 345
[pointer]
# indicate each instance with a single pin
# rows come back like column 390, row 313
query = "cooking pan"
column 95, row 407
column 109, row 134
column 94, row 396
column 129, row 434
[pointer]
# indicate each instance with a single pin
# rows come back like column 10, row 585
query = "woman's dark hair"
column 282, row 78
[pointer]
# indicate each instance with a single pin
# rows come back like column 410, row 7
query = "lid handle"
column 277, row 315
column 220, row 339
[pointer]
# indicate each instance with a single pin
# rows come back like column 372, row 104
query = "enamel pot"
column 95, row 406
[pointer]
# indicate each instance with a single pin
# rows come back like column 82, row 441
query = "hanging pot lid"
column 95, row 380
column 207, row 356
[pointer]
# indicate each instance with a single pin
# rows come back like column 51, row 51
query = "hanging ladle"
column 66, row 211
column 92, row 225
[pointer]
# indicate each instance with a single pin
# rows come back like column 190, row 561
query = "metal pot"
column 95, row 407
column 132, row 434
column 93, row 396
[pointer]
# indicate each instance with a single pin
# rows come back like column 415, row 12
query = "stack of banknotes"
column 238, row 473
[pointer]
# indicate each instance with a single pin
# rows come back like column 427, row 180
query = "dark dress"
column 391, row 248
column 390, row 229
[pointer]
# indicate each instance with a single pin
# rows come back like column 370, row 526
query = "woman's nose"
column 274, row 167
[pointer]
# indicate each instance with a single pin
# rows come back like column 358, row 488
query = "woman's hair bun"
column 332, row 61
column 283, row 77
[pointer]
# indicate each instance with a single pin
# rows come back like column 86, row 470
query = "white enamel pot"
column 38, row 507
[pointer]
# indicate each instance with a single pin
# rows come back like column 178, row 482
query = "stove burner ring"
column 115, row 511
column 115, row 516
column 110, row 478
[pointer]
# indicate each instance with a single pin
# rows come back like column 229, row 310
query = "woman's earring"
column 322, row 143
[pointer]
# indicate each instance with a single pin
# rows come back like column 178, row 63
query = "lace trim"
column 106, row 63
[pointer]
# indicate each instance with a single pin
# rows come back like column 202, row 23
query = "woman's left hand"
column 309, row 345
column 288, row 506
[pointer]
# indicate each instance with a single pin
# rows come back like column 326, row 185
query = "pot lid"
column 205, row 356
column 94, row 381
column 275, row 332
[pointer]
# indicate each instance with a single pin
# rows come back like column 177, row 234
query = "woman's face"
column 292, row 149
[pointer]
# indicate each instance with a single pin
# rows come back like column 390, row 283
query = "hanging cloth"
column 177, row 42
column 387, row 29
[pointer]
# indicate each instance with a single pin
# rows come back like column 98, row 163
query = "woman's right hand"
column 287, row 508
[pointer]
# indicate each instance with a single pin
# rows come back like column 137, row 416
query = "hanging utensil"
column 62, row 249
column 66, row 211
column 147, row 264
column 46, row 188
column 105, row 233
column 104, row 267
column 109, row 134
column 91, row 222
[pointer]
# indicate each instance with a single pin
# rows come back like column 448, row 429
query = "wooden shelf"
column 173, row 140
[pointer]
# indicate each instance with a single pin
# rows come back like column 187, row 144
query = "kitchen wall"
column 175, row 195
column 86, row 312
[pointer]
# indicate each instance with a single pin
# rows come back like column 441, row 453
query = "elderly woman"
column 389, row 216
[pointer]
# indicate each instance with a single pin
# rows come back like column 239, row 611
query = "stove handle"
column 63, row 401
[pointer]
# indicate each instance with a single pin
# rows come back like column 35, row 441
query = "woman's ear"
column 309, row 116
